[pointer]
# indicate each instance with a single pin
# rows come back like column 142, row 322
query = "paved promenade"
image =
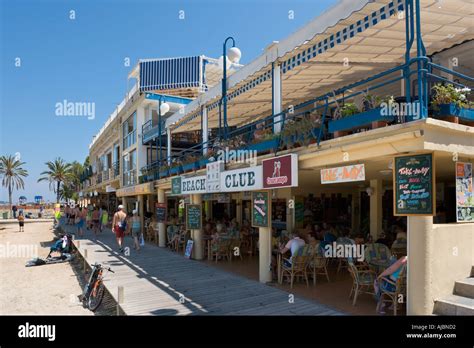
column 158, row 281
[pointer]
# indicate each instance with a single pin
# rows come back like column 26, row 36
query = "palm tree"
column 12, row 175
column 59, row 172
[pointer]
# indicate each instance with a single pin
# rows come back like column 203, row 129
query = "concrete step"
column 464, row 288
column 454, row 305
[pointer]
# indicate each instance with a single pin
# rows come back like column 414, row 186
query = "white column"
column 277, row 97
column 420, row 260
column 168, row 145
column 265, row 254
column 376, row 208
column 161, row 225
column 198, row 250
column 205, row 130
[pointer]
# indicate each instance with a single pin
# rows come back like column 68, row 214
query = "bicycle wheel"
column 96, row 296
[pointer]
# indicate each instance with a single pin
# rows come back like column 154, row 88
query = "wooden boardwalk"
column 158, row 281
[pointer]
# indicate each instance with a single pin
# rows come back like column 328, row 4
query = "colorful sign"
column 464, row 193
column 261, row 209
column 189, row 249
column 193, row 216
column 355, row 172
column 413, row 180
column 160, row 212
column 213, row 175
column 242, row 179
column 280, row 171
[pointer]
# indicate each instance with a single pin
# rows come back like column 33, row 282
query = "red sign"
column 280, row 171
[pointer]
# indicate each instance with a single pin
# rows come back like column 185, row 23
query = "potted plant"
column 163, row 171
column 373, row 102
column 450, row 103
column 347, row 110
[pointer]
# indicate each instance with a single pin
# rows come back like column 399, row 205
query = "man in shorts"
column 119, row 226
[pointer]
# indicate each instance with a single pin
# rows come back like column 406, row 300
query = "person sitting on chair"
column 391, row 273
column 293, row 245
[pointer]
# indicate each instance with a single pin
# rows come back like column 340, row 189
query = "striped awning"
column 172, row 73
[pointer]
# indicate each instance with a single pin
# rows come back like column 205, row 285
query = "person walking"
column 80, row 220
column 119, row 226
column 21, row 222
column 135, row 227
column 14, row 210
column 95, row 221
column 104, row 219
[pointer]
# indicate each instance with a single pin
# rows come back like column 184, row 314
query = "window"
column 130, row 131
column 129, row 168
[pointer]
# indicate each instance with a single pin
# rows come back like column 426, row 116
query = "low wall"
column 452, row 251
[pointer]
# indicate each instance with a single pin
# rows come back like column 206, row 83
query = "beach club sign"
column 337, row 175
column 280, row 171
column 243, row 179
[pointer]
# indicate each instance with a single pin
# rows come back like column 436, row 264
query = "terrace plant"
column 371, row 101
column 349, row 109
column 448, row 94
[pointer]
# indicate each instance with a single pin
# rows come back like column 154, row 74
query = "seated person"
column 383, row 240
column 391, row 273
column 313, row 243
column 293, row 245
column 172, row 232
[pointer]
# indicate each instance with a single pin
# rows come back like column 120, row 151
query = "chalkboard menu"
column 260, row 209
column 176, row 185
column 161, row 212
column 413, row 179
column 193, row 216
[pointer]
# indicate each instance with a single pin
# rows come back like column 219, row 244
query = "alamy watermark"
column 400, row 110
column 75, row 109
column 338, row 250
column 236, row 156
column 8, row 250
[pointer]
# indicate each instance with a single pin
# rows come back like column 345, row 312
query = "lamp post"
column 163, row 108
column 234, row 57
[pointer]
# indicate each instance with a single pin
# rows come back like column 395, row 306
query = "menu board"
column 260, row 209
column 161, row 212
column 413, row 179
column 193, row 216
column 176, row 185
column 464, row 193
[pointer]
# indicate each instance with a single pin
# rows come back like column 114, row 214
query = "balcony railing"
column 116, row 169
column 129, row 139
column 130, row 178
column 328, row 116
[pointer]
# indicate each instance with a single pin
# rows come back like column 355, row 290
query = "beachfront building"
column 133, row 141
column 359, row 122
column 339, row 115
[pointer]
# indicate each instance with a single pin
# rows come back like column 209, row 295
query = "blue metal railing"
column 259, row 136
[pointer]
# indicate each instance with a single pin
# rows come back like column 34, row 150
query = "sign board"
column 464, row 193
column 193, row 216
column 243, row 179
column 176, row 185
column 280, row 171
column 261, row 209
column 223, row 198
column 213, row 175
column 189, row 249
column 142, row 189
column 160, row 212
column 355, row 172
column 413, row 179
column 188, row 186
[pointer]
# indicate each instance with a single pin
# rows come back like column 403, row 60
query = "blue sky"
column 83, row 60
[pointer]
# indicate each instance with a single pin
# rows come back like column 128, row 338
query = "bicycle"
column 94, row 289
